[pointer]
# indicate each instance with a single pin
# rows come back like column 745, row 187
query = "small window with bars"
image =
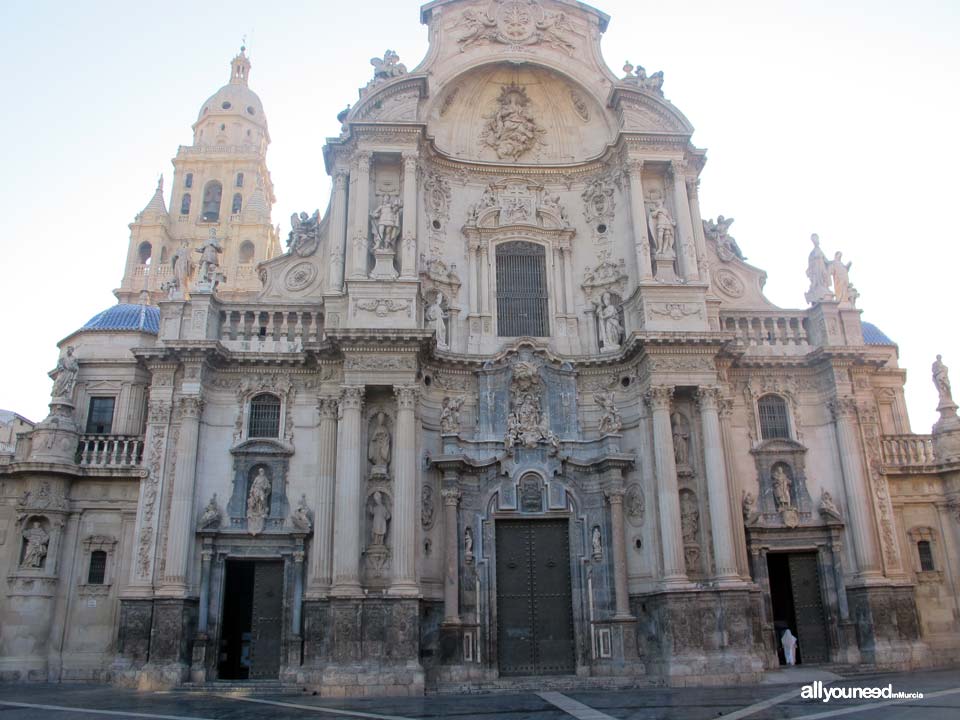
column 100, row 416
column 925, row 550
column 97, row 574
column 264, row 417
column 522, row 302
column 774, row 419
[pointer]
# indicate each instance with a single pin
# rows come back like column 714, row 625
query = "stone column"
column 337, row 230
column 451, row 554
column 684, row 232
column 296, row 612
column 405, row 494
column 322, row 545
column 473, row 273
column 181, row 527
column 560, row 300
column 638, row 215
column 700, row 241
column 566, row 257
column 204, row 611
column 485, row 279
column 346, row 536
column 408, row 256
column 615, row 498
column 721, row 528
column 856, row 488
column 668, row 493
column 360, row 231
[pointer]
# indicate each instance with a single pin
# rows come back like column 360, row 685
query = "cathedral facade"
column 509, row 407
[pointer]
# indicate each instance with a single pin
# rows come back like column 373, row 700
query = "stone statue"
column 689, row 518
column 608, row 324
column 841, row 278
column 65, row 375
column 37, row 541
column 663, row 225
column 781, row 487
column 827, row 507
column 304, row 237
column 941, row 381
column 610, row 420
column 301, row 516
column 210, row 259
column 512, row 129
column 468, row 544
column 380, row 515
column 258, row 502
column 211, row 515
column 681, row 439
column 181, row 268
column 387, row 220
column 379, row 445
column 387, row 67
column 435, row 319
column 450, row 415
column 717, row 230
column 789, row 642
column 818, row 273
column 749, row 506
column 596, row 542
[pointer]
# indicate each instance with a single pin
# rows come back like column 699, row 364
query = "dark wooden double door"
column 798, row 604
column 534, row 607
column 252, row 620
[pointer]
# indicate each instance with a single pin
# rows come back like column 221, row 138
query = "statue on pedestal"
column 381, row 515
column 841, row 278
column 65, row 375
column 258, row 502
column 781, row 487
column 301, row 516
column 379, row 445
column 663, row 224
column 435, row 319
column 387, row 220
column 941, row 380
column 818, row 273
column 608, row 324
column 210, row 259
column 828, row 508
column 211, row 515
column 304, row 235
column 36, row 550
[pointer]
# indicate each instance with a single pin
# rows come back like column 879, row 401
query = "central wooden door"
column 534, row 610
column 808, row 608
column 267, row 620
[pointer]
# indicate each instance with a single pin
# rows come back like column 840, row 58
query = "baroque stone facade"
column 510, row 407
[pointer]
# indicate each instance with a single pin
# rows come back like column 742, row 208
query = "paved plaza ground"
column 941, row 691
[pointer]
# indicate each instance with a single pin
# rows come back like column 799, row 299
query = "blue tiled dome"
column 872, row 335
column 142, row 318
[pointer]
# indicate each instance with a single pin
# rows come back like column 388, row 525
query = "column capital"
column 352, row 397
column 340, row 176
column 190, row 406
column 406, row 396
column 843, row 408
column 693, row 187
column 678, row 167
column 658, row 397
column 633, row 166
column 614, row 495
column 709, row 398
column 298, row 556
column 410, row 157
column 451, row 496
column 328, row 407
column 362, row 159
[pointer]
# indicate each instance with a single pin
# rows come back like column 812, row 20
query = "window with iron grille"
column 100, row 417
column 926, row 555
column 98, row 568
column 522, row 304
column 264, row 417
column 774, row 422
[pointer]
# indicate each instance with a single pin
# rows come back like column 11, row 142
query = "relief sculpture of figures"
column 379, row 446
column 381, row 515
column 818, row 273
column 512, row 129
column 435, row 320
column 450, row 415
column 941, row 380
column 608, row 324
column 36, row 549
column 386, row 218
column 610, row 420
column 65, row 376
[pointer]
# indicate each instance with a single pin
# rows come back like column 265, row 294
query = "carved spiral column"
column 855, row 486
column 638, row 215
column 668, row 493
column 361, row 216
column 451, row 554
column 337, row 229
column 181, row 529
column 721, row 526
column 615, row 498
column 405, row 493
column 408, row 257
column 346, row 529
column 322, row 547
column 684, row 234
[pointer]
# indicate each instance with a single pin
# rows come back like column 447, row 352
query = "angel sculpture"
column 304, row 233
column 718, row 231
column 388, row 67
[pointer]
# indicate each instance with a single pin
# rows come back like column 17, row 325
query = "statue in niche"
column 608, row 324
column 749, row 507
column 36, row 549
column 828, row 508
column 468, row 544
column 818, row 272
column 427, row 507
column 381, row 516
column 610, row 420
column 386, row 218
column 450, row 415
column 781, row 482
column 211, row 515
column 941, row 380
column 841, row 278
column 210, row 259
column 378, row 449
column 596, row 542
column 689, row 518
column 663, row 228
column 65, row 375
column 681, row 439
column 512, row 130
column 304, row 237
column 258, row 501
column 301, row 516
column 435, row 319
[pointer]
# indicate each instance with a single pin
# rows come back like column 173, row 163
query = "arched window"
column 925, row 551
column 188, row 180
column 239, row 182
column 522, row 290
column 246, row 252
column 237, row 203
column 264, row 417
column 185, row 204
column 774, row 420
column 212, row 194
column 97, row 573
column 144, row 252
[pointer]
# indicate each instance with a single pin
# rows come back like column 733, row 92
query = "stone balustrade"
column 110, row 450
column 254, row 325
column 907, row 451
column 773, row 328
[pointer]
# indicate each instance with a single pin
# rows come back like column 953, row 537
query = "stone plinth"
column 668, row 307
column 56, row 438
column 383, row 268
column 888, row 627
column 946, row 433
column 382, row 303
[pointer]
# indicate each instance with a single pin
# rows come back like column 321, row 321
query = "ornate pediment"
column 645, row 113
column 517, row 202
column 262, row 446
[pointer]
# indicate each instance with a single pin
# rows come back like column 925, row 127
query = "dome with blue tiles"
column 141, row 318
column 872, row 335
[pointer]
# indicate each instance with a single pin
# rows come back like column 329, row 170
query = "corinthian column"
column 684, row 235
column 337, row 230
column 668, row 494
column 638, row 215
column 721, row 527
column 855, row 486
column 359, row 232
column 615, row 498
column 322, row 547
column 346, row 529
column 408, row 257
column 451, row 554
column 181, row 529
column 405, row 493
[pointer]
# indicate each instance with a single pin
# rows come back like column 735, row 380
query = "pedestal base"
column 946, row 435
column 888, row 627
column 383, row 268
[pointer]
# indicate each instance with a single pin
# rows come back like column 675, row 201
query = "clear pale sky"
column 833, row 117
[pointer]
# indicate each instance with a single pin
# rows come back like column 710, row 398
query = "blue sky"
column 832, row 117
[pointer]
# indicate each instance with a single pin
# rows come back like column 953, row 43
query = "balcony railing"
column 257, row 325
column 770, row 329
column 908, row 451
column 110, row 450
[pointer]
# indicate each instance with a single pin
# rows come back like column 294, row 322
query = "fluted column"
column 337, row 230
column 408, row 256
column 321, row 550
column 473, row 271
column 361, row 216
column 181, row 528
column 405, row 493
column 615, row 498
column 451, row 554
column 668, row 493
column 484, row 279
column 346, row 528
column 684, row 233
column 724, row 554
column 699, row 240
column 638, row 215
column 855, row 485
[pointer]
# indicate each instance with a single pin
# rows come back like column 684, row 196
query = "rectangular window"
column 98, row 568
column 926, row 556
column 100, row 417
column 522, row 303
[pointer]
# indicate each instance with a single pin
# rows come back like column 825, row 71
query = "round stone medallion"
column 300, row 276
column 729, row 284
